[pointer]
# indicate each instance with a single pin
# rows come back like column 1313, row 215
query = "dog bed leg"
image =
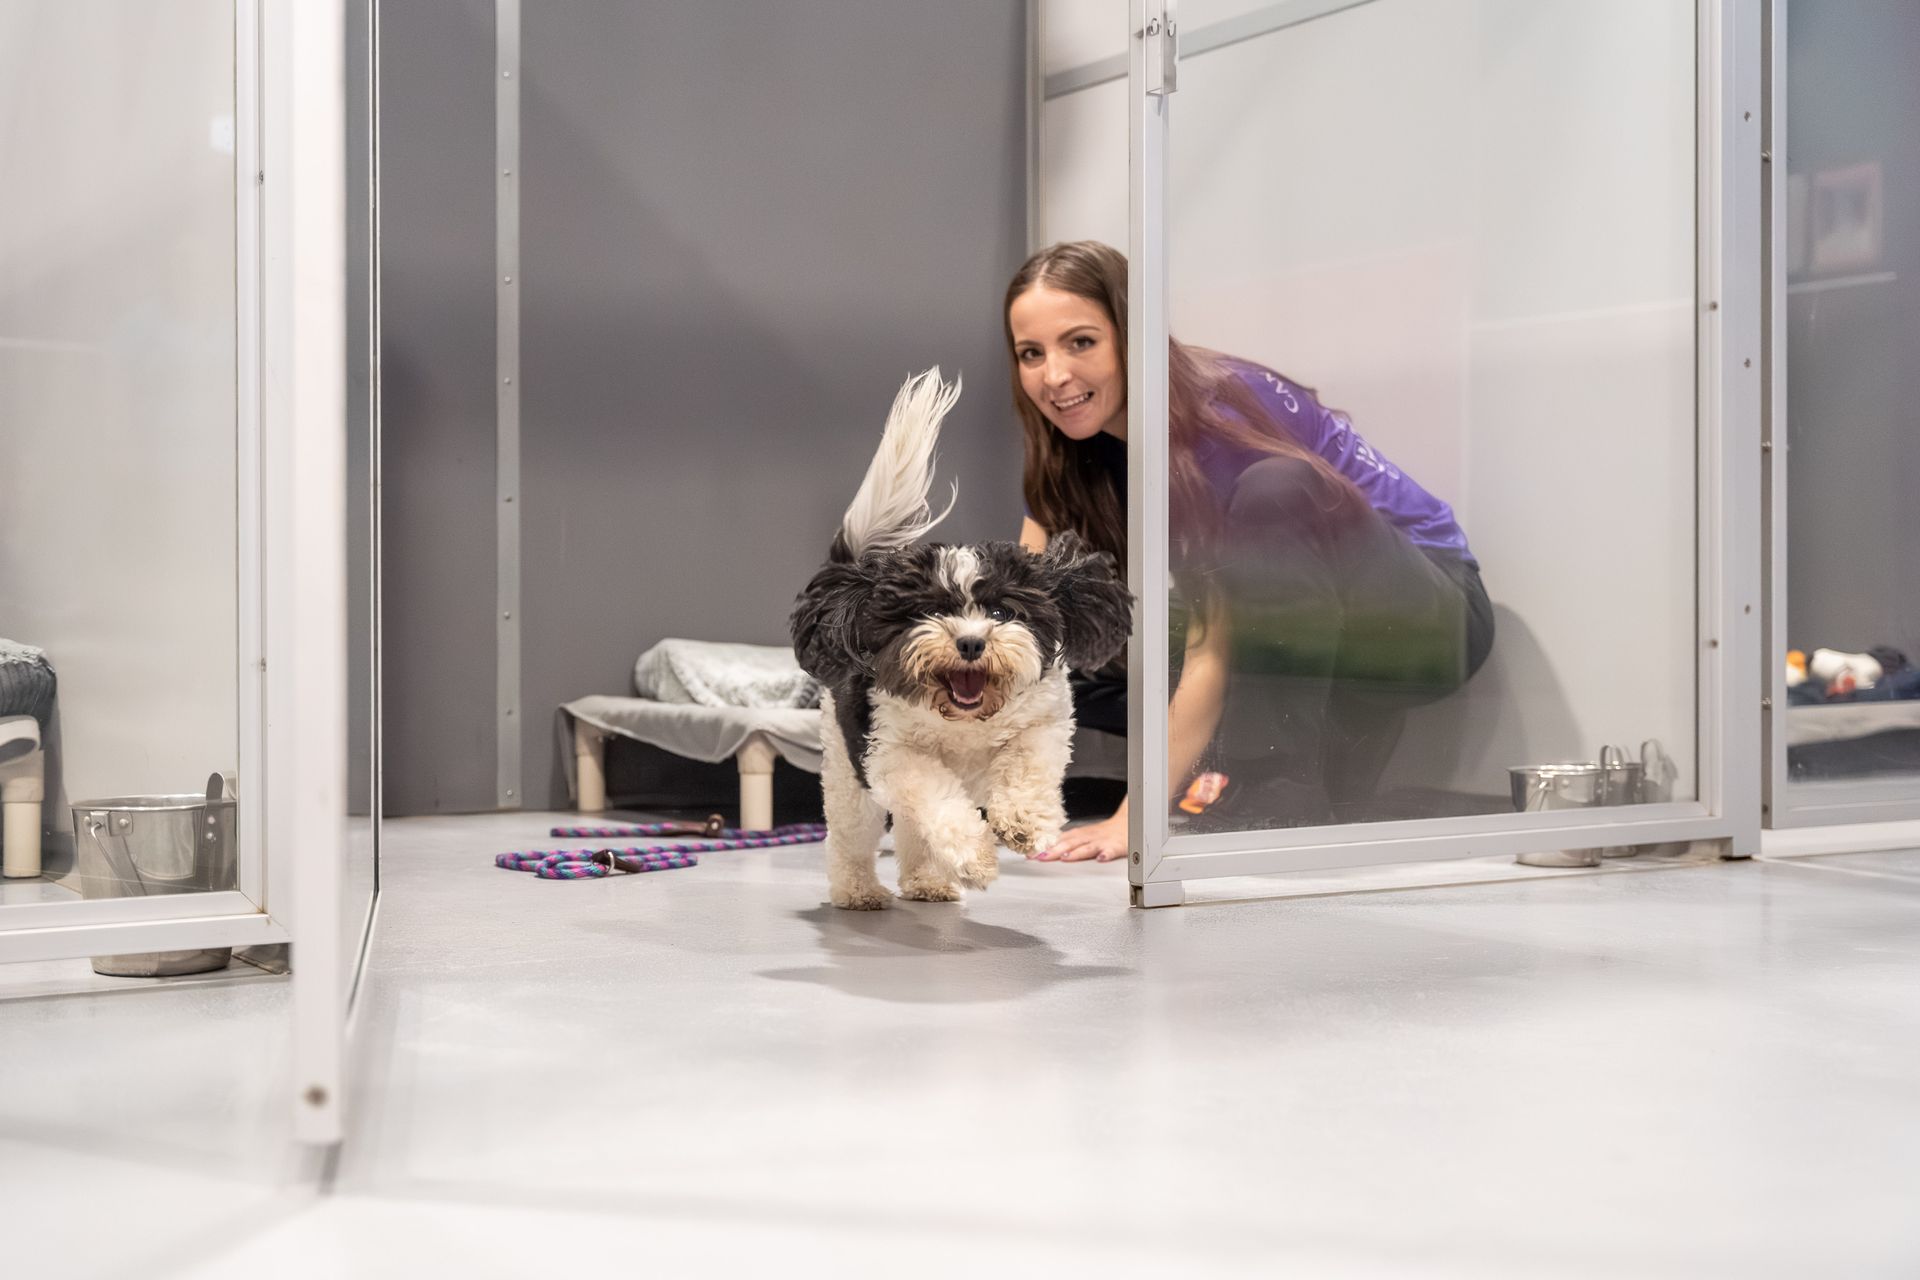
column 755, row 758
column 22, row 789
column 590, row 759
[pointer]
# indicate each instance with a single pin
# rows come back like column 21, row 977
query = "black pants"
column 1338, row 626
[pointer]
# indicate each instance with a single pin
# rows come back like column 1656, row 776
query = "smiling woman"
column 1068, row 362
column 1318, row 584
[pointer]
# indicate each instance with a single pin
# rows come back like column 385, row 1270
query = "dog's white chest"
column 966, row 747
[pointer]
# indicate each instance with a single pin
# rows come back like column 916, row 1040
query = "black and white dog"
column 945, row 671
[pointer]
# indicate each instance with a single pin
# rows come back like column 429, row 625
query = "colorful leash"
column 593, row 864
column 712, row 831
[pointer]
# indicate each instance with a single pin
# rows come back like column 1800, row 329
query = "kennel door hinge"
column 1163, row 48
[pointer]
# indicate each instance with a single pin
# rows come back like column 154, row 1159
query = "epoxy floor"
column 1705, row 1071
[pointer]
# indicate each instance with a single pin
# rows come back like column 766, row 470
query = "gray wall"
column 1853, row 477
column 742, row 226
column 437, row 358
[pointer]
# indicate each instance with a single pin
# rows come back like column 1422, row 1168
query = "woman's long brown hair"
column 1063, row 482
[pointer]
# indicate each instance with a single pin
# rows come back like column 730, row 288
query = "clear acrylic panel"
column 1433, row 491
column 119, row 526
column 1853, row 326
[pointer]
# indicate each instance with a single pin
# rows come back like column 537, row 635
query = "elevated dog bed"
column 706, row 701
column 753, row 736
column 1851, row 732
column 689, row 713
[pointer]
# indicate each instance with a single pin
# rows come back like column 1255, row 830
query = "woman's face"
column 1069, row 362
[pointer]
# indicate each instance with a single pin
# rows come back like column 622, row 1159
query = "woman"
column 1320, row 591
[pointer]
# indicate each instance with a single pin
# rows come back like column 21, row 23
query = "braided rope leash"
column 591, row 864
column 810, row 830
column 594, row 864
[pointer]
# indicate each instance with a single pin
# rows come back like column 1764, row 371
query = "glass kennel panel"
column 1846, row 309
column 120, row 510
column 1433, row 454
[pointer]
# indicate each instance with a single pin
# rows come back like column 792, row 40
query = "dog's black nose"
column 970, row 647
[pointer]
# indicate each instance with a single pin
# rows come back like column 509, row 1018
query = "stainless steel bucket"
column 1537, row 787
column 1556, row 786
column 149, row 846
column 1623, row 782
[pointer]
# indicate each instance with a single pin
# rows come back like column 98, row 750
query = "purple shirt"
column 1427, row 521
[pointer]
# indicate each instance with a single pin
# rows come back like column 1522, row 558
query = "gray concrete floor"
column 1702, row 1070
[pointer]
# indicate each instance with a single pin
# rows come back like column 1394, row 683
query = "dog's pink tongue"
column 967, row 682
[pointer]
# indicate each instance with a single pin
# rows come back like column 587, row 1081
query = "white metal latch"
column 1163, row 48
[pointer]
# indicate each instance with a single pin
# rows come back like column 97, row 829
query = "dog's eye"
column 999, row 613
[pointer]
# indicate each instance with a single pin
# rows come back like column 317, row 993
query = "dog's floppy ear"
column 1095, row 605
column 826, row 625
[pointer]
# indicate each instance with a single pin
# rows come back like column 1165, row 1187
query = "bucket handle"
column 100, row 830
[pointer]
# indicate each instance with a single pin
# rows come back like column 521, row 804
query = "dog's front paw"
column 979, row 862
column 860, row 897
column 1028, row 833
column 980, row 870
column 929, row 888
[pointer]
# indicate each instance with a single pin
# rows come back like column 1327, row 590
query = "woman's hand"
column 1104, row 841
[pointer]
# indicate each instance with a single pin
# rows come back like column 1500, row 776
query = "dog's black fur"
column 852, row 617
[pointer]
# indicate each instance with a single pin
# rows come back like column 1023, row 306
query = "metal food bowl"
column 1538, row 787
column 148, row 846
column 1541, row 787
column 1623, row 781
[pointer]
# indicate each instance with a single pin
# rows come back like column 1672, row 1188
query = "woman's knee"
column 1279, row 490
column 1479, row 620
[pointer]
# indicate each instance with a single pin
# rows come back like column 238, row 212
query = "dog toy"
column 1203, row 792
column 1796, row 668
column 1843, row 672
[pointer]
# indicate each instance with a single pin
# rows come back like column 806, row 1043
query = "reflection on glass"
column 1320, row 594
column 1433, row 511
column 1433, row 477
column 118, row 507
column 1853, row 322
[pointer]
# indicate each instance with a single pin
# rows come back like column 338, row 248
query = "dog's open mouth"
column 966, row 686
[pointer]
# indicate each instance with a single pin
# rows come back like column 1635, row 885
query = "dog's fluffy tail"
column 891, row 509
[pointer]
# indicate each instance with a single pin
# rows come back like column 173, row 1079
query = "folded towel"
column 712, row 674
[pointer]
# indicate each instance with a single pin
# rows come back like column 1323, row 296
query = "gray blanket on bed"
column 26, row 682
column 711, row 674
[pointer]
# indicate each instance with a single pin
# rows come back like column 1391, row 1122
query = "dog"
column 944, row 675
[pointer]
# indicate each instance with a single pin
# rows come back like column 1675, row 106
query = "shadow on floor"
column 932, row 953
